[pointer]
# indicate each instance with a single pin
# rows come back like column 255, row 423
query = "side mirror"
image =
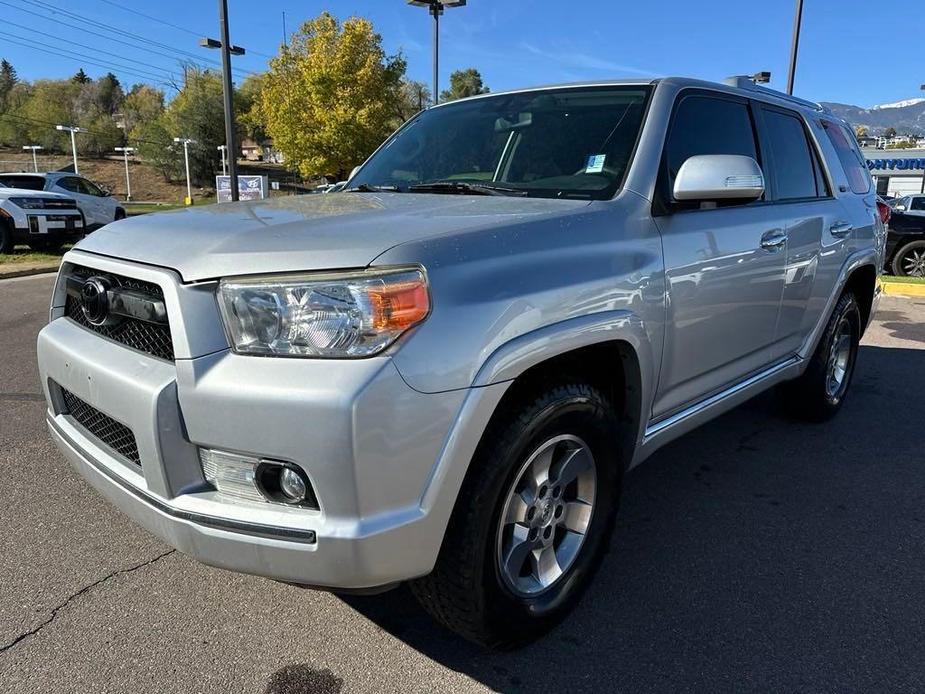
column 707, row 177
column 899, row 208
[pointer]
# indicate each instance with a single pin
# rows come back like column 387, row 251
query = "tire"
column 819, row 393
column 468, row 591
column 909, row 261
column 6, row 238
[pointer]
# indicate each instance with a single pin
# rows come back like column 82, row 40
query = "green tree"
column 14, row 130
column 249, row 116
column 330, row 98
column 8, row 79
column 143, row 104
column 51, row 102
column 890, row 132
column 464, row 83
column 81, row 77
column 414, row 97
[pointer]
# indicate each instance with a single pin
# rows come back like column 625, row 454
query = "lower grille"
column 112, row 433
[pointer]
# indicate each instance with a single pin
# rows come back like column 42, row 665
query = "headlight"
column 29, row 203
column 343, row 315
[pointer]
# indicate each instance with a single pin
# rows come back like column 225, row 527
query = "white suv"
column 97, row 205
column 45, row 221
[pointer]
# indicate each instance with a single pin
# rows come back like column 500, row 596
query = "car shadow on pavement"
column 756, row 553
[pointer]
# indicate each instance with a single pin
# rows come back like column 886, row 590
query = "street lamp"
column 186, row 142
column 436, row 7
column 228, row 49
column 35, row 162
column 128, row 181
column 223, row 149
column 72, row 130
column 795, row 45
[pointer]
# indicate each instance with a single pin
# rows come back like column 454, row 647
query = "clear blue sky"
column 846, row 54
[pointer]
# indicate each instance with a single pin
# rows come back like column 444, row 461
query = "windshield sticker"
column 595, row 163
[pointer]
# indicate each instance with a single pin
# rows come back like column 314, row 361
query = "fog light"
column 292, row 485
column 284, row 482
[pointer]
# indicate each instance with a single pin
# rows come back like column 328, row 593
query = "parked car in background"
column 96, row 203
column 44, row 221
column 442, row 375
column 905, row 246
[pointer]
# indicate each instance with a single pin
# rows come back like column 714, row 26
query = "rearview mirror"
column 503, row 125
column 706, row 177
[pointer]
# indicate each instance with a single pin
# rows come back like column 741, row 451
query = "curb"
column 903, row 288
column 11, row 271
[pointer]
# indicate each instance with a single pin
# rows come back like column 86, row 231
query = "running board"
column 703, row 406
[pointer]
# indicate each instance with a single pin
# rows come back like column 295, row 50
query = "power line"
column 179, row 54
column 92, row 48
column 64, row 53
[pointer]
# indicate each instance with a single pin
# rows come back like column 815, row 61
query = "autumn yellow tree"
column 329, row 98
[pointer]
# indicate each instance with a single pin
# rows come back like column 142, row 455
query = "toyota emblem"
column 94, row 300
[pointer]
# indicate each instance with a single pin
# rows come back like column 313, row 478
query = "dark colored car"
column 905, row 244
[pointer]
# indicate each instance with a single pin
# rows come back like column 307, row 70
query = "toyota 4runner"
column 441, row 374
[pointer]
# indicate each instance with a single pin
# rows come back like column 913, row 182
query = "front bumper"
column 385, row 461
column 38, row 225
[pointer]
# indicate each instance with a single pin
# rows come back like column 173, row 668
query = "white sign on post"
column 249, row 187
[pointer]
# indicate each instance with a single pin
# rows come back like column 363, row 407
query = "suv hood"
column 6, row 192
column 308, row 232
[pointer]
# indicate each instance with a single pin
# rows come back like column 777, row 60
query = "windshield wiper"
column 366, row 188
column 464, row 188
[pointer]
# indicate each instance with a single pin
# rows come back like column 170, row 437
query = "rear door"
column 816, row 223
column 72, row 186
column 724, row 263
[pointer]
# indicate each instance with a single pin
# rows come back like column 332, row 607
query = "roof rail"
column 748, row 82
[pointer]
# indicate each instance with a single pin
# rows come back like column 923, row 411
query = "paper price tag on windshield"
column 595, row 163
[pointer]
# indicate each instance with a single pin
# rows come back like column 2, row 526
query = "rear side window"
column 917, row 204
column 796, row 170
column 24, row 182
column 707, row 125
column 849, row 156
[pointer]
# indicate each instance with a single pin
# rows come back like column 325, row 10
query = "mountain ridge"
column 907, row 116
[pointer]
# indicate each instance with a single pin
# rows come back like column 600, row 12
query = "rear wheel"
column 819, row 393
column 533, row 518
column 6, row 237
column 909, row 260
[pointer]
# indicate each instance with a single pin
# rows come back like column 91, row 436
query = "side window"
column 918, row 204
column 849, row 156
column 70, row 184
column 706, row 125
column 796, row 171
column 89, row 188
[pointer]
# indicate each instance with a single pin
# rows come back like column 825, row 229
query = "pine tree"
column 81, row 77
column 7, row 79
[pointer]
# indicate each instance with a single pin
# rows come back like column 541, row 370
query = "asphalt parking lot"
column 755, row 554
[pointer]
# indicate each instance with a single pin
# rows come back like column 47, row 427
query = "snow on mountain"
column 898, row 104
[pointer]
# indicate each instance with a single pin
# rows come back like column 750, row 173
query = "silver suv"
column 441, row 374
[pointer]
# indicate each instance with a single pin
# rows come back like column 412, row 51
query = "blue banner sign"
column 896, row 164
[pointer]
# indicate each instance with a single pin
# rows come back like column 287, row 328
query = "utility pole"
column 35, row 161
column 922, row 190
column 223, row 149
column 128, row 181
column 186, row 143
column 72, row 130
column 795, row 45
column 435, row 8
column 228, row 49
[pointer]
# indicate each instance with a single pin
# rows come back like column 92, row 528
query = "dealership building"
column 896, row 172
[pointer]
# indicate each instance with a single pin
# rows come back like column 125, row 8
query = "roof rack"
column 748, row 82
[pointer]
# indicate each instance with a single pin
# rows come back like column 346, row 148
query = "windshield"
column 572, row 143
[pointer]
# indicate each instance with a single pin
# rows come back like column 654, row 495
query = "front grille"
column 152, row 338
column 115, row 435
column 58, row 204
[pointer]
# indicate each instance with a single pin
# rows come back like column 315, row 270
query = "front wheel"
column 909, row 260
column 820, row 392
column 533, row 518
column 6, row 238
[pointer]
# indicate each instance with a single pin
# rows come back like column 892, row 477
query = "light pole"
column 228, row 49
column 35, row 162
column 436, row 7
column 186, row 143
column 222, row 149
column 128, row 181
column 72, row 130
column 795, row 45
column 922, row 190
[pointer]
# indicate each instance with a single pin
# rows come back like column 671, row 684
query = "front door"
column 724, row 266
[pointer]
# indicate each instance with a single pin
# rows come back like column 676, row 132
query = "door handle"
column 841, row 228
column 774, row 240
